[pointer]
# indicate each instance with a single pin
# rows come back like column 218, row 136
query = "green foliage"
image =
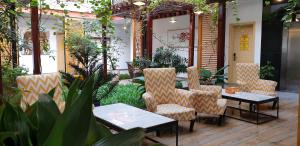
column 169, row 58
column 124, row 76
column 43, row 124
column 87, row 55
column 9, row 79
column 141, row 62
column 267, row 71
column 290, row 12
column 128, row 94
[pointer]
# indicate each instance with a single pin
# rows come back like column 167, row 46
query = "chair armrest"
column 150, row 102
column 184, row 97
column 266, row 85
column 205, row 94
column 208, row 102
column 213, row 88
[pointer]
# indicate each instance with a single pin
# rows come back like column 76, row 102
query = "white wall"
column 160, row 30
column 248, row 11
column 48, row 64
column 123, row 45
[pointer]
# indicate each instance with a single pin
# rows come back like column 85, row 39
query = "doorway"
column 241, row 47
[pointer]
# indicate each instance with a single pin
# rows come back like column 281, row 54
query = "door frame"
column 231, row 39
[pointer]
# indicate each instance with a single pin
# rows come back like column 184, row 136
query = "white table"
column 124, row 117
column 252, row 99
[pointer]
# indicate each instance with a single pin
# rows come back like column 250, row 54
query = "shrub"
column 128, row 94
column 124, row 76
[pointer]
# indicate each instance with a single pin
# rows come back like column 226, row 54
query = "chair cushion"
column 176, row 112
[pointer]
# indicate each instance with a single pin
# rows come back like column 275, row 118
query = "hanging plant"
column 290, row 11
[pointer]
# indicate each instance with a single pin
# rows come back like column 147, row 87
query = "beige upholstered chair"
column 32, row 86
column 209, row 97
column 163, row 98
column 249, row 81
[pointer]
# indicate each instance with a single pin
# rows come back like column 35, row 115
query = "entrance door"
column 241, row 47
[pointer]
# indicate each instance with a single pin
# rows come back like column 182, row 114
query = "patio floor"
column 281, row 132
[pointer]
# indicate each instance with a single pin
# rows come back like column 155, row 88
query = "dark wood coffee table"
column 124, row 117
column 254, row 100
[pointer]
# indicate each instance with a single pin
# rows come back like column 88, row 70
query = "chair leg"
column 192, row 125
column 220, row 119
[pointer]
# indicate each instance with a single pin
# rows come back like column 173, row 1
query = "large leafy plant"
column 87, row 58
column 43, row 124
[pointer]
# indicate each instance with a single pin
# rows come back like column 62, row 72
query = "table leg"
column 250, row 107
column 257, row 111
column 277, row 108
column 176, row 133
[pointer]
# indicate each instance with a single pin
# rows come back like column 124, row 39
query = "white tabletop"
column 128, row 117
column 248, row 96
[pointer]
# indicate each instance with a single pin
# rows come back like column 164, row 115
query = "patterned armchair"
column 163, row 98
column 32, row 86
column 249, row 81
column 209, row 97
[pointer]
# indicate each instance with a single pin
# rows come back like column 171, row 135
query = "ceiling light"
column 277, row 1
column 173, row 20
column 199, row 12
column 139, row 3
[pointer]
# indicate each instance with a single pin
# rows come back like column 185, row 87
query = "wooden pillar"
column 143, row 38
column 13, row 42
column 200, row 45
column 134, row 33
column 104, row 46
column 149, row 34
column 35, row 40
column 221, row 33
column 191, row 39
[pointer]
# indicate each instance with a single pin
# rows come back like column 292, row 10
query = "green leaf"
column 96, row 131
column 130, row 137
column 72, row 93
column 71, row 128
column 43, row 115
column 13, row 119
column 52, row 92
